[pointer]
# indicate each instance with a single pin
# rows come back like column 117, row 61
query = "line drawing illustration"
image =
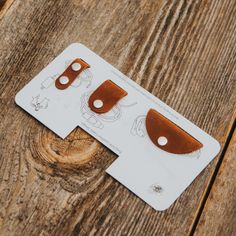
column 196, row 154
column 98, row 120
column 39, row 103
column 49, row 81
column 85, row 77
column 138, row 128
column 156, row 188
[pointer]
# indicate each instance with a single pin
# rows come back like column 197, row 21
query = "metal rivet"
column 64, row 79
column 98, row 103
column 76, row 66
column 162, row 141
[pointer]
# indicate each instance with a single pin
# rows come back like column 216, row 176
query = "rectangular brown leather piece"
column 71, row 74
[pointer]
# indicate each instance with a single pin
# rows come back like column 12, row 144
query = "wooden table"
column 183, row 51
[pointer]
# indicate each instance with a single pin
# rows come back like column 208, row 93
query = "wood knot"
column 78, row 149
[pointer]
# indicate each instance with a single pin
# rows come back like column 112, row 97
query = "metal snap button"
column 98, row 103
column 76, row 66
column 162, row 141
column 63, row 79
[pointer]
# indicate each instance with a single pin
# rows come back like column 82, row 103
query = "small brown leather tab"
column 168, row 136
column 71, row 73
column 106, row 95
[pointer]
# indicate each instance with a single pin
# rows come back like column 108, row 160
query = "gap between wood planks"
column 4, row 6
column 212, row 180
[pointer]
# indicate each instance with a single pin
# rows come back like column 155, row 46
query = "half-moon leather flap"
column 105, row 97
column 71, row 73
column 168, row 136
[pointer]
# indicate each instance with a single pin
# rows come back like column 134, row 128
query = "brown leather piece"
column 178, row 141
column 109, row 93
column 71, row 74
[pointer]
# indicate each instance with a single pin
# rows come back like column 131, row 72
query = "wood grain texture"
column 218, row 216
column 4, row 5
column 184, row 52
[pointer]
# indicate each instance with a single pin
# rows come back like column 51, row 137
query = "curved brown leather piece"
column 178, row 141
column 109, row 93
column 71, row 74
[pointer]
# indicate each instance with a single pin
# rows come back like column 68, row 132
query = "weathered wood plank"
column 181, row 51
column 219, row 214
column 4, row 5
